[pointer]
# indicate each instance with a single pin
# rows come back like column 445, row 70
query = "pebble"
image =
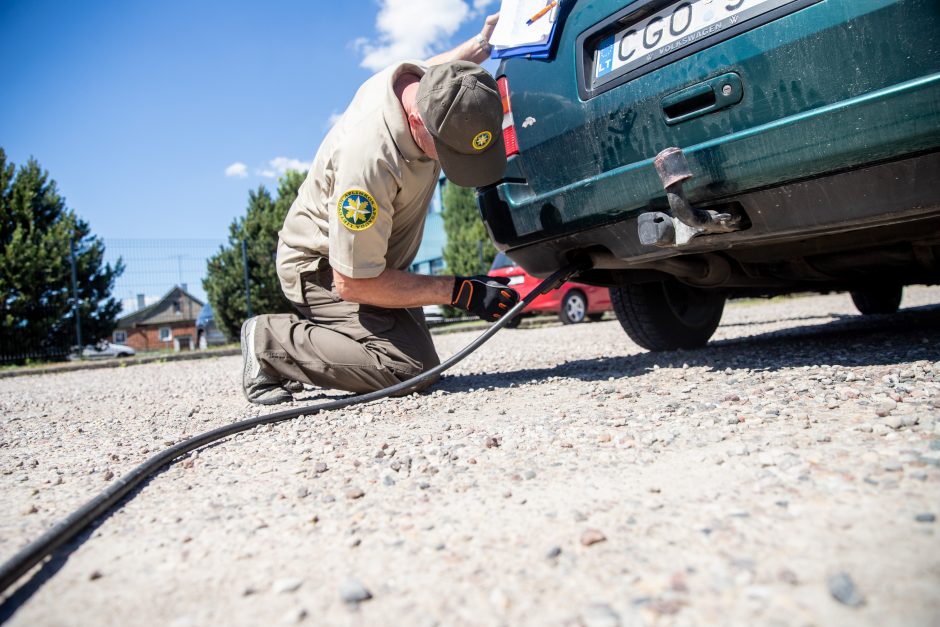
column 925, row 518
column 909, row 421
column 284, row 586
column 600, row 615
column 884, row 408
column 844, row 590
column 294, row 616
column 893, row 422
column 592, row 536
column 355, row 493
column 352, row 591
column 553, row 552
column 320, row 467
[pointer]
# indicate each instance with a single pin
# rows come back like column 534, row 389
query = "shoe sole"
column 246, row 357
column 244, row 342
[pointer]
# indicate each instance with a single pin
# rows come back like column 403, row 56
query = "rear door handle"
column 711, row 95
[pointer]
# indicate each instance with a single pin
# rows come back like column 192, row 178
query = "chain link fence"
column 165, row 274
column 154, row 269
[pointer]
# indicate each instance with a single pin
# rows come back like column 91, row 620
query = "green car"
column 695, row 150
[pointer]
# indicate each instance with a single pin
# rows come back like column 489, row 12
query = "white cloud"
column 237, row 169
column 279, row 165
column 415, row 29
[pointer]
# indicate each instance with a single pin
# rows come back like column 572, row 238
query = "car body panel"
column 106, row 349
column 828, row 88
column 598, row 298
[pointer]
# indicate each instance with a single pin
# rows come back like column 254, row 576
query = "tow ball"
column 656, row 228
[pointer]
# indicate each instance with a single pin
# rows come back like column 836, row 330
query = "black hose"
column 36, row 551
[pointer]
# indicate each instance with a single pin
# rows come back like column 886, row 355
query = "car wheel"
column 573, row 308
column 667, row 315
column 883, row 299
column 123, row 354
column 596, row 317
column 512, row 324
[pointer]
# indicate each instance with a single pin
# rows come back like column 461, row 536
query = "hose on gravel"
column 74, row 523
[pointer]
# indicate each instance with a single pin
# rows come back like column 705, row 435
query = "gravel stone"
column 592, row 536
column 843, row 590
column 283, row 586
column 925, row 518
column 600, row 615
column 352, row 591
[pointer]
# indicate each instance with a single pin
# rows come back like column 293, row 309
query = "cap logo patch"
column 357, row 210
column 482, row 140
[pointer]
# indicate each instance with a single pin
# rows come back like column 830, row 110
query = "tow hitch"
column 656, row 228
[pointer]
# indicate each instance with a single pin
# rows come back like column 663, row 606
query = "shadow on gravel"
column 909, row 335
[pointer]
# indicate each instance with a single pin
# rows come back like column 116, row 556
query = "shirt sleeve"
column 361, row 211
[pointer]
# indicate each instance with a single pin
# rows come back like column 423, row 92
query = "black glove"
column 484, row 296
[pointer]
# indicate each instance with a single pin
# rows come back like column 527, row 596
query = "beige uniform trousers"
column 341, row 345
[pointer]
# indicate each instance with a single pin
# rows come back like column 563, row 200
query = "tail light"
column 509, row 129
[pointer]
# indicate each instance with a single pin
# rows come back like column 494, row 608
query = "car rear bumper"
column 891, row 201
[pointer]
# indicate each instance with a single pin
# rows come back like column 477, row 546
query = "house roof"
column 141, row 315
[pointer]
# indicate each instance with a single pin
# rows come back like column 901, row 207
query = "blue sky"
column 156, row 118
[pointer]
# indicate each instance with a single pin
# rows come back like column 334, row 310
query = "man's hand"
column 484, row 296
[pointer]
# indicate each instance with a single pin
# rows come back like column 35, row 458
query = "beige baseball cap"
column 460, row 105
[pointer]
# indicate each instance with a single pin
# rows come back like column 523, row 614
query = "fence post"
column 247, row 283
column 76, row 311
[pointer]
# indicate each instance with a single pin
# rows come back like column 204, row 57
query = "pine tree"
column 225, row 279
column 37, row 232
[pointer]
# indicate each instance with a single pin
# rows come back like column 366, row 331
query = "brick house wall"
column 174, row 315
column 148, row 338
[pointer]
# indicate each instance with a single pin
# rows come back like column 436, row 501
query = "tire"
column 514, row 323
column 882, row 299
column 122, row 355
column 667, row 315
column 573, row 308
column 596, row 317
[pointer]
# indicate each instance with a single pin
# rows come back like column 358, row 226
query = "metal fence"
column 153, row 268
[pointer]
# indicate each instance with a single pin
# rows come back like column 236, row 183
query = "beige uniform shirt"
column 363, row 204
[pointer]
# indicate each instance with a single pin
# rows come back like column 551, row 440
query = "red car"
column 573, row 302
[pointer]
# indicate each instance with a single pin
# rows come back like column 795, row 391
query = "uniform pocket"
column 367, row 323
column 318, row 287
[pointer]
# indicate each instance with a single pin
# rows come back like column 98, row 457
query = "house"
column 168, row 324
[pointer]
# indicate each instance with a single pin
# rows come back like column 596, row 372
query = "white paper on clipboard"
column 512, row 30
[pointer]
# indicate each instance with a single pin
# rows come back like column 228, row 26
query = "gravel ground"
column 788, row 474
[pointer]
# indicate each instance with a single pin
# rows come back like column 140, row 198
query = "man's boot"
column 259, row 387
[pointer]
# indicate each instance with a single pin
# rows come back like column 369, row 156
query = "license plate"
column 516, row 280
column 675, row 27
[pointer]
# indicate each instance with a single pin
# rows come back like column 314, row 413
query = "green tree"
column 225, row 279
column 37, row 231
column 468, row 249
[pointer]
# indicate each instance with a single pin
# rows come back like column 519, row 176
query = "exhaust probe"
column 74, row 523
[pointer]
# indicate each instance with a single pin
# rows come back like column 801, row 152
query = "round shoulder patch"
column 482, row 140
column 357, row 210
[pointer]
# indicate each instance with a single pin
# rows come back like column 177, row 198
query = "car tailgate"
column 808, row 107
